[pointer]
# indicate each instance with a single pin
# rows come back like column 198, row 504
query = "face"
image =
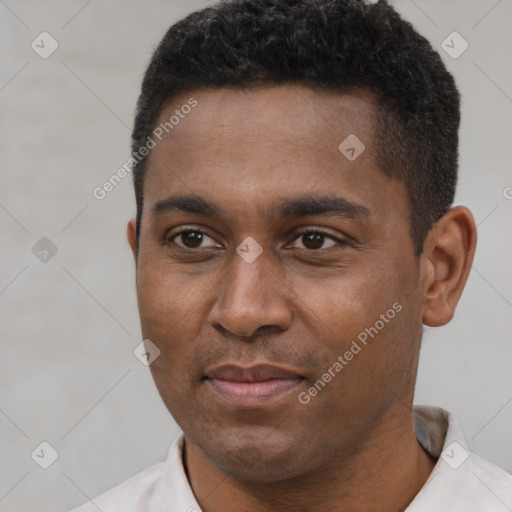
column 277, row 276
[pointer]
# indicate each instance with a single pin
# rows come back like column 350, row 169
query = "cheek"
column 164, row 293
column 369, row 308
column 342, row 306
column 169, row 311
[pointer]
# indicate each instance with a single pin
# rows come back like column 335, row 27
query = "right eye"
column 191, row 239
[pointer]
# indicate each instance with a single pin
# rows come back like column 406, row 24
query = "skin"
column 299, row 304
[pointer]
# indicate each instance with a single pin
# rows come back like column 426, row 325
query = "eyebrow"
column 301, row 206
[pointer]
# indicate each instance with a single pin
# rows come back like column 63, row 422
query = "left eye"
column 314, row 240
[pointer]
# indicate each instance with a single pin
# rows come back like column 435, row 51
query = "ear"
column 446, row 261
column 131, row 233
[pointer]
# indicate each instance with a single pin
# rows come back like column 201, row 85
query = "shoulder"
column 132, row 495
column 491, row 481
column 157, row 488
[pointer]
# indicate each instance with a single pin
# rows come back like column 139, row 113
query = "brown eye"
column 314, row 240
column 192, row 239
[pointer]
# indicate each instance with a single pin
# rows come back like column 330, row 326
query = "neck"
column 383, row 473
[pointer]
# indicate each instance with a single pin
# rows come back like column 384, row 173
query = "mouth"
column 253, row 386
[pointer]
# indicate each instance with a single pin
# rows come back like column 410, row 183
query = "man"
column 295, row 164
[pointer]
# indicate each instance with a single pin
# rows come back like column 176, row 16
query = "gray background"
column 69, row 326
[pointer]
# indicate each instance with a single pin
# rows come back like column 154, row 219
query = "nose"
column 251, row 296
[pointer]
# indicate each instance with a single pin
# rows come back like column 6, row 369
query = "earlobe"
column 446, row 262
column 131, row 233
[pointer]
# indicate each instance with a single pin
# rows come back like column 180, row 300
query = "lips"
column 259, row 373
column 252, row 386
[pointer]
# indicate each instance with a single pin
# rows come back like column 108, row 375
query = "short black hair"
column 335, row 45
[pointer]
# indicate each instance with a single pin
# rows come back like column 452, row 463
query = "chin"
column 269, row 457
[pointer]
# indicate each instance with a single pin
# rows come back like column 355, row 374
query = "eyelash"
column 191, row 229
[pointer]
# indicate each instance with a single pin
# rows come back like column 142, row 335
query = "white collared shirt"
column 461, row 481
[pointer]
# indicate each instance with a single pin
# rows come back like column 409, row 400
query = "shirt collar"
column 461, row 481
column 175, row 491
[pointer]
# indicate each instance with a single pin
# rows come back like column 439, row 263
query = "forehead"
column 298, row 115
column 250, row 146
